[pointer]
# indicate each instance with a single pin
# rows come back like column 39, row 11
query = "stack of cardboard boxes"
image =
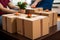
column 34, row 27
column 52, row 17
column 51, row 14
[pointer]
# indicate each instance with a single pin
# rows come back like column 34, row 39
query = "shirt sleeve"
column 8, row 1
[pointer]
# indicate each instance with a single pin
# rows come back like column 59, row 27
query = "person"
column 5, row 10
column 45, row 4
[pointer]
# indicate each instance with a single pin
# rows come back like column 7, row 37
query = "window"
column 14, row 1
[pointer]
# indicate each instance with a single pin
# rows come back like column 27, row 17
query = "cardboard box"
column 33, row 27
column 8, row 19
column 52, row 17
column 30, row 29
column 4, row 21
column 37, row 28
column 11, row 24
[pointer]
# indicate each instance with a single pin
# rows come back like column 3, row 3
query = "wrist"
column 35, row 3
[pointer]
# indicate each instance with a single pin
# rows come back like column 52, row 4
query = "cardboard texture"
column 20, row 26
column 11, row 17
column 36, row 29
column 52, row 16
column 55, row 18
column 45, row 26
column 11, row 25
column 4, row 22
column 33, row 27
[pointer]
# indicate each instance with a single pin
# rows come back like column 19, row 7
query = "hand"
column 47, row 10
column 22, row 11
column 33, row 6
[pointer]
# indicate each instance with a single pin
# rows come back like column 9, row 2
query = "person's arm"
column 35, row 3
column 6, row 10
column 12, row 6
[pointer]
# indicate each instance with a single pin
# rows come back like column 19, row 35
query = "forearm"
column 2, row 8
column 12, row 6
column 36, row 1
column 8, row 10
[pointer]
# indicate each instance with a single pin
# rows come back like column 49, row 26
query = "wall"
column 56, row 1
column 15, row 1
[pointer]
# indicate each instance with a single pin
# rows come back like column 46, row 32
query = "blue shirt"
column 46, row 4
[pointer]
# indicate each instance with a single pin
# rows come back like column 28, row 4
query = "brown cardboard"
column 11, row 25
column 52, row 16
column 19, row 26
column 45, row 26
column 11, row 17
column 32, row 29
column 4, row 22
column 55, row 18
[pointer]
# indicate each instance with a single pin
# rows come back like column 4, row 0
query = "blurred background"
column 56, row 4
